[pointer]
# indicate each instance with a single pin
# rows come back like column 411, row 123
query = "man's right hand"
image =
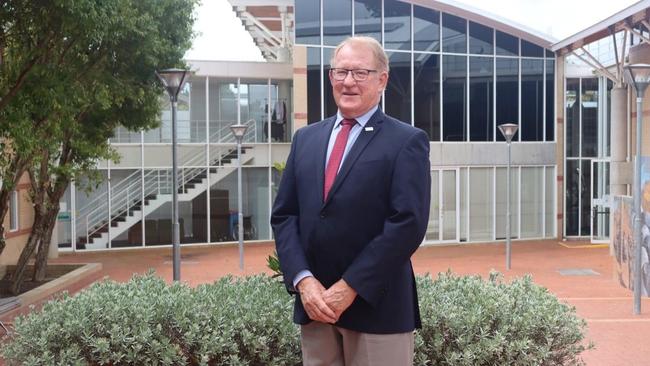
column 311, row 295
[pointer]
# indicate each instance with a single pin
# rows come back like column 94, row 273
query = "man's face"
column 354, row 98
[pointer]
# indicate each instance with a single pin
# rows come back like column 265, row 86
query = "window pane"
column 329, row 103
column 572, row 118
column 481, row 204
column 126, row 201
column 63, row 234
column 585, row 181
column 532, row 204
column 367, row 18
column 426, row 29
column 281, row 110
column 550, row 54
column 197, row 110
column 507, row 45
column 507, row 94
column 480, row 97
column 549, row 214
column 572, row 198
column 433, row 229
column 398, row 91
column 256, row 109
column 463, row 204
column 397, row 25
column 454, row 101
column 337, row 21
column 313, row 85
column 223, row 110
column 550, row 100
column 307, row 22
column 454, row 34
column 426, row 75
column 501, row 202
column 480, row 39
column 589, row 102
column 532, row 100
column 531, row 50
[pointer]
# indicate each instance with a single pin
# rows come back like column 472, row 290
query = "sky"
column 221, row 36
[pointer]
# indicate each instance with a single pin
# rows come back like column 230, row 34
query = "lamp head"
column 508, row 130
column 239, row 131
column 173, row 80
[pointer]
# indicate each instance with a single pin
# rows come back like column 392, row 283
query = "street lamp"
column 239, row 130
column 638, row 75
column 508, row 130
column 173, row 81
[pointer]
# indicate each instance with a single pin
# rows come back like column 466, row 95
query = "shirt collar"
column 362, row 120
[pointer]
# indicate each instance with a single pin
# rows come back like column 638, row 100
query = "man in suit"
column 352, row 208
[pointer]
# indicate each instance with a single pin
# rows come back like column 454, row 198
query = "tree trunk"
column 9, row 182
column 18, row 276
column 40, row 266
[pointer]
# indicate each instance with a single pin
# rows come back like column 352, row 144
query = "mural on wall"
column 622, row 236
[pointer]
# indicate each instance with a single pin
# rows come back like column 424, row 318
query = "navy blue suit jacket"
column 373, row 220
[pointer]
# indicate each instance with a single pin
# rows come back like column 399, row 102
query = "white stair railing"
column 128, row 192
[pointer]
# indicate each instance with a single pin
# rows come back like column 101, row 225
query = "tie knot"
column 349, row 122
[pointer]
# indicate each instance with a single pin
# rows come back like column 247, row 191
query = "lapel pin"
column 369, row 129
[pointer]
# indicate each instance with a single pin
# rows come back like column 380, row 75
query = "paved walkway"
column 620, row 337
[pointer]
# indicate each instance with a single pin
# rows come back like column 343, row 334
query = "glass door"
column 445, row 201
column 599, row 201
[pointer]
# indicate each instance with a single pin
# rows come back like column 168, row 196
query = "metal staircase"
column 127, row 206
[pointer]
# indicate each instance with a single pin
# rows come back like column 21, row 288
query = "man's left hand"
column 339, row 297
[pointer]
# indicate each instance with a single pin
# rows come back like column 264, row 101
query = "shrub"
column 471, row 321
column 247, row 321
column 147, row 322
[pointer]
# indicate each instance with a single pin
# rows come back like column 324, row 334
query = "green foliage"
column 246, row 321
column 273, row 263
column 470, row 321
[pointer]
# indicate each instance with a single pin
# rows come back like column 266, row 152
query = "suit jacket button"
column 322, row 216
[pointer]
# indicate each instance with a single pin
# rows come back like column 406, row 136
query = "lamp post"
column 173, row 81
column 239, row 130
column 638, row 75
column 508, row 130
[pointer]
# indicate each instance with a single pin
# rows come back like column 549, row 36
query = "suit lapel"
column 321, row 150
column 374, row 124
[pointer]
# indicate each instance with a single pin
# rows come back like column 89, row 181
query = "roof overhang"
column 623, row 20
column 270, row 24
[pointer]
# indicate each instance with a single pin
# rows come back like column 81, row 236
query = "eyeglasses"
column 357, row 74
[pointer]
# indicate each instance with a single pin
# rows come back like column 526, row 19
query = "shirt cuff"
column 300, row 276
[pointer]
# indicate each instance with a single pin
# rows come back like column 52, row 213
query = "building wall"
column 17, row 239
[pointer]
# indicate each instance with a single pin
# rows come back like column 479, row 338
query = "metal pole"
column 175, row 229
column 508, row 241
column 240, row 217
column 637, row 204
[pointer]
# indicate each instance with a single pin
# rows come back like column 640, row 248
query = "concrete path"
column 620, row 337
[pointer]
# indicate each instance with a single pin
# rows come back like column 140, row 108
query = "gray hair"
column 378, row 53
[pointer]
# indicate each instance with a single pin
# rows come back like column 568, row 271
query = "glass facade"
column 131, row 205
column 587, row 151
column 475, row 74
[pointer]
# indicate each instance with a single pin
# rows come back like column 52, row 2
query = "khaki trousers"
column 328, row 345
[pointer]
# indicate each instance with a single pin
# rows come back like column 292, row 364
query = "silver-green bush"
column 468, row 321
column 247, row 321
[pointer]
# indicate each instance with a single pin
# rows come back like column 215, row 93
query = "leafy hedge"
column 247, row 321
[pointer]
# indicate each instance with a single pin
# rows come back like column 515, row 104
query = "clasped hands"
column 325, row 305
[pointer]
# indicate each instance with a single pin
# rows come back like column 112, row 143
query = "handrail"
column 129, row 191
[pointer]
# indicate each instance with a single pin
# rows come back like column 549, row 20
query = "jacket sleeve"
column 404, row 228
column 285, row 222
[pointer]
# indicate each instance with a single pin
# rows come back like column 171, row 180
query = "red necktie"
column 337, row 155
